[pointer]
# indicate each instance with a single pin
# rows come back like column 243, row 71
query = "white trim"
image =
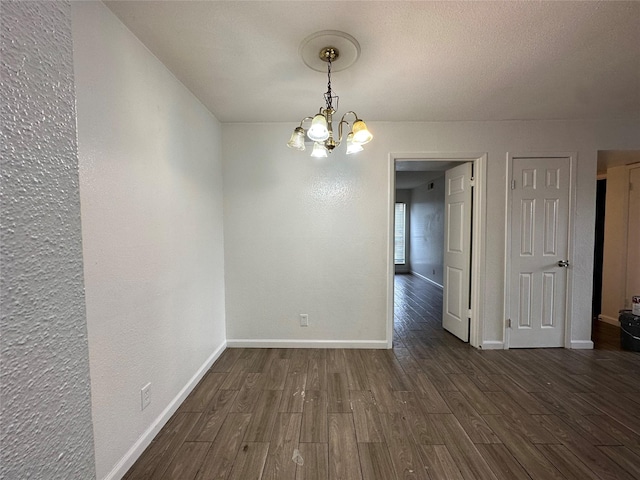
column 129, row 458
column 425, row 278
column 391, row 267
column 478, row 242
column 572, row 156
column 492, row 345
column 608, row 319
column 581, row 345
column 279, row 343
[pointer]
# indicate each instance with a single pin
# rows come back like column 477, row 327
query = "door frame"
column 572, row 156
column 478, row 233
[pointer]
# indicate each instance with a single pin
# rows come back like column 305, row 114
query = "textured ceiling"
column 420, row 61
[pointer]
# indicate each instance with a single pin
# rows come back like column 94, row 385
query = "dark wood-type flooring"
column 431, row 408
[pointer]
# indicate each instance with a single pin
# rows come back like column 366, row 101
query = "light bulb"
column 353, row 147
column 319, row 150
column 297, row 139
column 361, row 134
column 318, row 131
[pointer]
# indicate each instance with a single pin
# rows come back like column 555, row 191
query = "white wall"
column 45, row 405
column 151, row 201
column 427, row 235
column 310, row 236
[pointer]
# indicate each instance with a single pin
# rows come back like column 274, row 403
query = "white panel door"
column 539, row 249
column 457, row 251
column 633, row 236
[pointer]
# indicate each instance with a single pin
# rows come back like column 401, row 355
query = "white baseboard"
column 492, row 345
column 582, row 344
column 145, row 439
column 276, row 343
column 425, row 278
column 611, row 320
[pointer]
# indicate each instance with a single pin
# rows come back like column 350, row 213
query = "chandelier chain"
column 328, row 97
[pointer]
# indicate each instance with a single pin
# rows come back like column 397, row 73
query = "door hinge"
column 469, row 314
column 508, row 322
column 513, row 184
column 472, row 182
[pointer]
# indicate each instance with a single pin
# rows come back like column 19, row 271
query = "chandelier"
column 320, row 126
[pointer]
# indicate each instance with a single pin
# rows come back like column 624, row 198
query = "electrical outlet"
column 304, row 320
column 145, row 395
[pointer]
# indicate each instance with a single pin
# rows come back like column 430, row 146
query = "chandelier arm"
column 349, row 112
column 305, row 119
column 340, row 129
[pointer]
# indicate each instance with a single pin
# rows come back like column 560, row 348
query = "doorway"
column 430, row 161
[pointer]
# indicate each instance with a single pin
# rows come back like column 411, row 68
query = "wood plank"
column 405, row 456
column 264, row 417
column 187, row 461
column 366, row 417
column 432, row 400
column 502, row 463
column 275, row 374
column 279, row 464
column 470, row 420
column 439, row 463
column 249, row 463
column 534, row 462
column 436, row 376
column 615, row 429
column 343, row 449
column 625, row 458
column 525, row 400
column 317, row 372
column 294, row 392
column 155, row 460
column 375, row 461
column 225, row 361
column 520, row 420
column 337, row 393
column 357, row 378
column 299, row 361
column 576, row 443
column 566, row 462
column 462, row 450
column 211, row 421
column 220, row 458
column 316, row 462
column 420, row 424
column 335, row 361
column 314, row 417
column 200, row 397
column 477, row 397
column 246, row 401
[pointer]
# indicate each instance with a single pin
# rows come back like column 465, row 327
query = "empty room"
column 319, row 240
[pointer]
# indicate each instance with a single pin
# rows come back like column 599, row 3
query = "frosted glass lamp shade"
column 353, row 147
column 318, row 131
column 361, row 134
column 297, row 139
column 319, row 150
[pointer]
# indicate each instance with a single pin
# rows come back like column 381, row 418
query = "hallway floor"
column 431, row 408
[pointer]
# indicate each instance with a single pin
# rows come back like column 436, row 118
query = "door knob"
column 563, row 263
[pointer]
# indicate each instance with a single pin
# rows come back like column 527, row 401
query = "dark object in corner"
column 629, row 331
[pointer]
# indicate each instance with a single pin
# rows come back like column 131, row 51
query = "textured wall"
column 151, row 191
column 427, row 234
column 46, row 430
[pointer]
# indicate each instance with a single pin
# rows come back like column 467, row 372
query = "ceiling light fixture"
column 320, row 129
